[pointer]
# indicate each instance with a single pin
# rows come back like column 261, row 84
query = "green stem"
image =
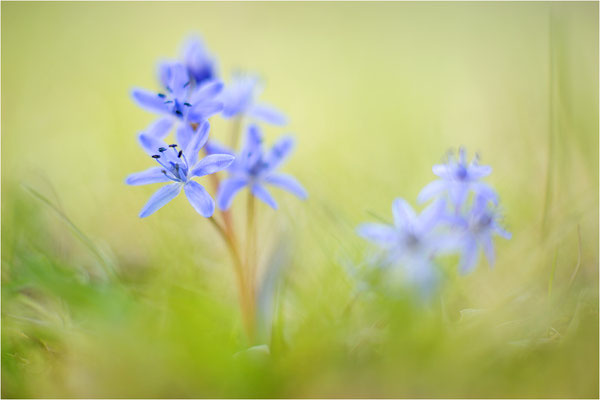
column 246, row 304
column 235, row 132
column 251, row 252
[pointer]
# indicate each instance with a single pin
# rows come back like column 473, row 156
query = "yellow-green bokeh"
column 376, row 93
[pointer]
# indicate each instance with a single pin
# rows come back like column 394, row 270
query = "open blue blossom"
column 458, row 179
column 182, row 102
column 411, row 241
column 180, row 167
column 410, row 236
column 239, row 99
column 255, row 168
column 475, row 231
column 200, row 64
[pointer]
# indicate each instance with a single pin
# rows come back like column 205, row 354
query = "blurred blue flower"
column 411, row 241
column 200, row 64
column 411, row 236
column 181, row 103
column 457, row 179
column 475, row 231
column 256, row 168
column 179, row 167
column 239, row 99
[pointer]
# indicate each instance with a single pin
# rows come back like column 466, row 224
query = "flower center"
column 482, row 222
column 411, row 241
column 178, row 105
column 461, row 172
column 174, row 163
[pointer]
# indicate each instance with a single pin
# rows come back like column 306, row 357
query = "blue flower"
column 180, row 167
column 458, row 179
column 182, row 102
column 200, row 64
column 239, row 99
column 475, row 231
column 256, row 168
column 411, row 241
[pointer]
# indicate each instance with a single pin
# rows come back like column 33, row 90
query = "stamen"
column 173, row 145
column 186, row 84
column 187, row 104
column 179, row 113
column 156, row 156
column 168, row 102
column 161, row 95
column 180, row 153
column 162, row 149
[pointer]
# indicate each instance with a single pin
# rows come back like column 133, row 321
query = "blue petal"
column 458, row 193
column 160, row 128
column 288, row 183
column 252, row 150
column 470, row 254
column 184, row 135
column 431, row 190
column 480, row 204
column 150, row 144
column 443, row 171
column 485, row 191
column 502, row 232
column 178, row 80
column 196, row 142
column 227, row 190
column 149, row 101
column 199, row 199
column 263, row 194
column 212, row 163
column 268, row 114
column 431, row 216
column 479, row 171
column 214, row 147
column 239, row 95
column 383, row 235
column 207, row 90
column 160, row 198
column 488, row 249
column 164, row 72
column 404, row 215
column 151, row 175
column 278, row 153
column 198, row 61
column 202, row 111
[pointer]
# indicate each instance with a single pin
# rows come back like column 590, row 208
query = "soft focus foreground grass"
column 376, row 94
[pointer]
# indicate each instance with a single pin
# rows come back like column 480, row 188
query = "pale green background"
column 376, row 93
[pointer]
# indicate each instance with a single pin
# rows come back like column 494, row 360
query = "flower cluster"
column 190, row 93
column 462, row 218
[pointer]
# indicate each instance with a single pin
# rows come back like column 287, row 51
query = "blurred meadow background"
column 99, row 303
